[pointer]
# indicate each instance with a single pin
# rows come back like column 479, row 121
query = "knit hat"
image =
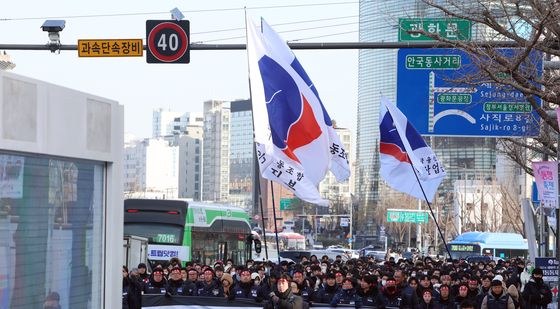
column 255, row 275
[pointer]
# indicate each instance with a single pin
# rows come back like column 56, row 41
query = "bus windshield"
column 155, row 232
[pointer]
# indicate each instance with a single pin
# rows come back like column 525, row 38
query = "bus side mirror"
column 258, row 247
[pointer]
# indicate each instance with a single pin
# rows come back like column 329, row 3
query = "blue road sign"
column 436, row 93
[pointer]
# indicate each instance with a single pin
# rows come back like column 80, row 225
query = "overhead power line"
column 185, row 11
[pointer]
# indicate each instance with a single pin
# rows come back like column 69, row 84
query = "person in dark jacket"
column 176, row 285
column 282, row 297
column 445, row 298
column 326, row 293
column 210, row 287
column 347, row 295
column 409, row 299
column 156, row 284
column 143, row 273
column 463, row 294
column 304, row 286
column 497, row 298
column 536, row 294
column 131, row 292
column 368, row 291
column 390, row 295
column 484, row 289
column 427, row 301
column 246, row 289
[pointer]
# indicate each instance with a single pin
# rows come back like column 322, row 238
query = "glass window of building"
column 51, row 231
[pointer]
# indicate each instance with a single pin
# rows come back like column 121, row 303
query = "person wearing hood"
column 536, row 293
column 282, row 296
column 327, row 291
column 497, row 298
column 210, row 287
column 156, row 284
column 347, row 295
column 246, row 289
column 227, row 283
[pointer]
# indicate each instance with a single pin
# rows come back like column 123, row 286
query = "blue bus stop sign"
column 441, row 91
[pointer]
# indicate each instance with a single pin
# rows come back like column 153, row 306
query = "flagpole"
column 429, row 206
column 257, row 177
column 275, row 224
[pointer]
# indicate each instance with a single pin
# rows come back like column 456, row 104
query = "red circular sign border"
column 179, row 30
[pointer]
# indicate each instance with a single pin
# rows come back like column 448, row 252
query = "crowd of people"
column 363, row 282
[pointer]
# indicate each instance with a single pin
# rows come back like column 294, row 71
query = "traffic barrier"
column 184, row 302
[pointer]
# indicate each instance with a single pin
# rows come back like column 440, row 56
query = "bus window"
column 222, row 251
column 156, row 233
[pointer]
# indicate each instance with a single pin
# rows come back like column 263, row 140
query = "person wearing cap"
column 497, row 298
column 536, row 293
column 143, row 273
column 245, row 288
column 156, row 284
column 327, row 291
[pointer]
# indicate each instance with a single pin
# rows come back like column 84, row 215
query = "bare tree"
column 530, row 25
column 397, row 230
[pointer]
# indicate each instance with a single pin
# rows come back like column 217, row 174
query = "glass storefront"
column 51, row 231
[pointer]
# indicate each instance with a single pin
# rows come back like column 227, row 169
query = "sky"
column 141, row 87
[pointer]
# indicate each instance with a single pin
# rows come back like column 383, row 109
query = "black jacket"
column 212, row 289
column 153, row 287
column 286, row 300
column 131, row 294
column 536, row 294
column 325, row 294
column 247, row 290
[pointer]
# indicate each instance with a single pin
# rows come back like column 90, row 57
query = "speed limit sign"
column 167, row 41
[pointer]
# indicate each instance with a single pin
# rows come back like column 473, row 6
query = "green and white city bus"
column 192, row 231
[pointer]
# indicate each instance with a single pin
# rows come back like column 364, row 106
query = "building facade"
column 151, row 165
column 216, row 151
column 166, row 123
column 378, row 77
column 242, row 162
column 190, row 162
column 60, row 196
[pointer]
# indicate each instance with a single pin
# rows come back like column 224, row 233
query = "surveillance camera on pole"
column 53, row 27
